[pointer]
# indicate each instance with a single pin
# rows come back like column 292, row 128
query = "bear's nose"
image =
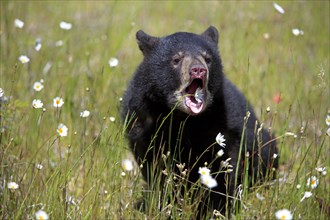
column 198, row 71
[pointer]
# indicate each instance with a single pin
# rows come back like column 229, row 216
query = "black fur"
column 149, row 98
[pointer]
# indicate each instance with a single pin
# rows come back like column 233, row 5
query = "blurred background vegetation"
column 260, row 54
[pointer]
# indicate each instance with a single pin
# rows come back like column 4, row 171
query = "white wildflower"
column 220, row 140
column 199, row 95
column 24, row 59
column 12, row 186
column 19, row 23
column 204, row 171
column 41, row 215
column 39, row 166
column 38, row 45
column 38, row 86
column 65, row 25
column 313, row 182
column 327, row 120
column 84, row 114
column 62, row 130
column 209, row 181
column 127, row 164
column 220, row 153
column 306, row 195
column 37, row 103
column 113, row 62
column 297, row 32
column 58, row 102
column 320, row 169
column 284, row 214
column 278, row 8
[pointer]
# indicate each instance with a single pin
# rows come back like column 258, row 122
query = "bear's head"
column 183, row 69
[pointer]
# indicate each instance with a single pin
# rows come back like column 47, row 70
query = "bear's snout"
column 198, row 71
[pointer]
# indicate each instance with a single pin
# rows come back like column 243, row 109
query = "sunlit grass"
column 87, row 61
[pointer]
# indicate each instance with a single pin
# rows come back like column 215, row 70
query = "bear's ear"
column 212, row 34
column 146, row 42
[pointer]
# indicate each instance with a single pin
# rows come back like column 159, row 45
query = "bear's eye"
column 176, row 60
column 208, row 60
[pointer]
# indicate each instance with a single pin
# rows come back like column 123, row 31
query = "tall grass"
column 81, row 175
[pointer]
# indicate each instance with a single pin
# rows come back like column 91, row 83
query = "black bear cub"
column 176, row 104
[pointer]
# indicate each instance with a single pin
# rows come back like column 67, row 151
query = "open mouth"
column 195, row 95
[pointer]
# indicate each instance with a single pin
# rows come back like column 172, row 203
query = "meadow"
column 84, row 53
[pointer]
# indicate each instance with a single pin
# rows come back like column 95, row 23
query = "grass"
column 81, row 177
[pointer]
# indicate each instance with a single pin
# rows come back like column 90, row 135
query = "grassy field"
column 79, row 176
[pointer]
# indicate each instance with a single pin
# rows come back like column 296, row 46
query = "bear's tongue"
column 195, row 96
